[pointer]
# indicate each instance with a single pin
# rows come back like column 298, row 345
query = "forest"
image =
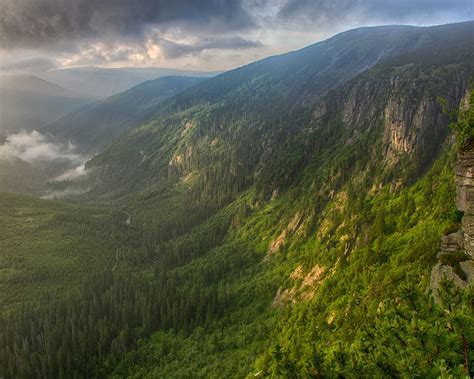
column 268, row 222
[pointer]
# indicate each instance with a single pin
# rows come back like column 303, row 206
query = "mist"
column 44, row 165
column 34, row 147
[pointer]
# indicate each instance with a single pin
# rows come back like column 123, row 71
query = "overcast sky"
column 38, row 35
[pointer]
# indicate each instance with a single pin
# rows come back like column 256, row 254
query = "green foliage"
column 462, row 120
column 119, row 113
column 46, row 248
column 451, row 258
column 415, row 337
column 269, row 235
column 371, row 316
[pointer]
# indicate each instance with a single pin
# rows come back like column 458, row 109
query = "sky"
column 39, row 35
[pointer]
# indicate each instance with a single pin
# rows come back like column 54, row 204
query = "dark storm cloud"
column 34, row 23
column 151, row 32
column 174, row 50
column 330, row 11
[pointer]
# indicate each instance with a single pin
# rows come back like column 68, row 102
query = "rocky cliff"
column 465, row 196
column 456, row 258
column 402, row 110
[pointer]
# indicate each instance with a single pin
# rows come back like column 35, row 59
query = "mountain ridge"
column 96, row 124
column 101, row 82
column 182, row 101
column 45, row 101
column 269, row 222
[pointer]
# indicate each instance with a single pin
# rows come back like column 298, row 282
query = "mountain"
column 235, row 120
column 98, row 123
column 98, row 82
column 88, row 127
column 299, row 78
column 278, row 220
column 29, row 102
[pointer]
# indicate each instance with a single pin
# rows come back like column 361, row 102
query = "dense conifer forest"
column 279, row 220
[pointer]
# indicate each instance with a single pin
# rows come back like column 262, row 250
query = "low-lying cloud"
column 60, row 194
column 59, row 165
column 73, row 173
column 34, row 147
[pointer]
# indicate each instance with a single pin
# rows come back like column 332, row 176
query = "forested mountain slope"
column 100, row 122
column 77, row 135
column 283, row 223
column 210, row 143
column 272, row 86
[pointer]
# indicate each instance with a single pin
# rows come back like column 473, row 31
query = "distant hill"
column 98, row 123
column 102, row 82
column 28, row 102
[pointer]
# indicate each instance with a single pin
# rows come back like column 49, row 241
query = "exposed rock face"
column 455, row 245
column 453, row 242
column 359, row 105
column 414, row 124
column 406, row 127
column 292, row 227
column 439, row 272
column 304, row 288
column 186, row 128
column 465, row 195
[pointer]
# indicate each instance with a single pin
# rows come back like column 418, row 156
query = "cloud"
column 58, row 164
column 100, row 53
column 194, row 34
column 60, row 194
column 330, row 12
column 157, row 48
column 73, row 173
column 170, row 49
column 33, row 147
column 34, row 23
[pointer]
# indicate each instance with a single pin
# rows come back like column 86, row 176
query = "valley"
column 281, row 219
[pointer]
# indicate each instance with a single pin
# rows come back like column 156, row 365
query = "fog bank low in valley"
column 32, row 163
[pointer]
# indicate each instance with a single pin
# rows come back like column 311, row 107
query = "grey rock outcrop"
column 465, row 195
column 456, row 258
